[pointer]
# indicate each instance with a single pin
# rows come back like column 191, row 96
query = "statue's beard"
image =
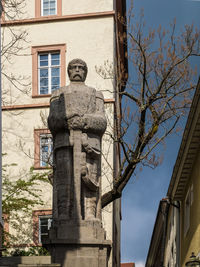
column 77, row 77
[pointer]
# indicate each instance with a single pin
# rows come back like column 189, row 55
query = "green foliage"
column 32, row 251
column 23, row 193
column 19, row 197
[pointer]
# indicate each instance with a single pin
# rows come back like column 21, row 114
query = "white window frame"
column 42, row 13
column 49, row 67
column 49, row 217
column 50, row 148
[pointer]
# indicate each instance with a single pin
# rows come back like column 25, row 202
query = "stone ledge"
column 39, row 265
column 88, row 242
column 25, row 260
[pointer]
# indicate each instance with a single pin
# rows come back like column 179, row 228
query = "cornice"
column 26, row 106
column 58, row 18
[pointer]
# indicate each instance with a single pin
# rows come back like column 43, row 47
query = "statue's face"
column 77, row 72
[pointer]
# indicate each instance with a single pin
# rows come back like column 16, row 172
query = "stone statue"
column 77, row 122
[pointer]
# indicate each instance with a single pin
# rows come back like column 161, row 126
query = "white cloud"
column 139, row 264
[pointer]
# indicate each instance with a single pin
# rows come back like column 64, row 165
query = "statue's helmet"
column 77, row 70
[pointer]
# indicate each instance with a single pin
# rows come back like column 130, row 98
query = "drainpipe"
column 164, row 211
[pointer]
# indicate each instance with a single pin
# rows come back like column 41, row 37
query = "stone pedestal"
column 79, row 245
column 38, row 265
column 27, row 261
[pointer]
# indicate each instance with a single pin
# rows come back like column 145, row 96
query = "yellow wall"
column 190, row 242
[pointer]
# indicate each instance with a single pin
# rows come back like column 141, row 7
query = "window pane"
column 44, row 139
column 43, row 63
column 46, row 6
column 52, row 11
column 43, row 82
column 44, row 163
column 55, row 62
column 43, row 221
column 55, row 72
column 43, row 90
column 45, row 149
column 55, row 59
column 46, row 12
column 55, row 81
column 52, row 4
column 44, row 157
column 44, row 57
column 43, row 73
column 44, row 229
column 55, row 56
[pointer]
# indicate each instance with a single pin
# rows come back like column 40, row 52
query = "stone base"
column 28, row 261
column 81, row 231
column 81, row 255
column 39, row 265
column 79, row 245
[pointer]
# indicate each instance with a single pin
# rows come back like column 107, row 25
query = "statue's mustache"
column 76, row 75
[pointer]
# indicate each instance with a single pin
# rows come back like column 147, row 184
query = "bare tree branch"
column 159, row 92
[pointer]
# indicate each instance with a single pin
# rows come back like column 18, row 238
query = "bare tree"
column 157, row 95
column 13, row 44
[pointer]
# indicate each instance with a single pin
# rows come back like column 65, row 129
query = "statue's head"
column 77, row 70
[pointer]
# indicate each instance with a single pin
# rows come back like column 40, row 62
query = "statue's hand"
column 94, row 123
column 86, row 120
column 75, row 123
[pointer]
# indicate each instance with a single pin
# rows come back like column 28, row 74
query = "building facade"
column 184, row 189
column 181, row 224
column 55, row 32
column 155, row 255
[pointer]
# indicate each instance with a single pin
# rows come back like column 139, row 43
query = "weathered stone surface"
column 84, row 256
column 26, row 261
column 78, row 232
column 39, row 265
column 77, row 122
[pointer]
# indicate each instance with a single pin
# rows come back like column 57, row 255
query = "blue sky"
column 141, row 197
